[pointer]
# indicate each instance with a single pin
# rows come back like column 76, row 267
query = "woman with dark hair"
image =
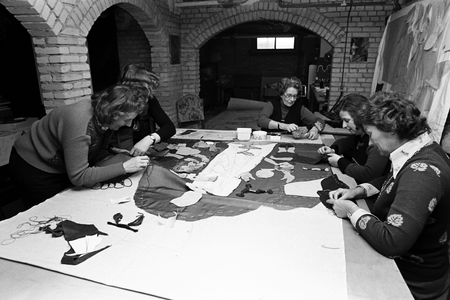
column 410, row 220
column 288, row 114
column 138, row 138
column 353, row 155
column 61, row 149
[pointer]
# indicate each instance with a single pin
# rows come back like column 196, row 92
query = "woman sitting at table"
column 353, row 155
column 410, row 218
column 61, row 148
column 140, row 133
column 288, row 114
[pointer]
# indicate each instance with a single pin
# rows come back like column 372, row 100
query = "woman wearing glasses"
column 288, row 114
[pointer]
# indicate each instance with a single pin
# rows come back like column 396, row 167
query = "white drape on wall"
column 414, row 59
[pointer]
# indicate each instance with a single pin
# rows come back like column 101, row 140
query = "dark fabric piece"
column 73, row 231
column 69, row 259
column 324, row 196
column 332, row 183
column 158, row 186
column 39, row 185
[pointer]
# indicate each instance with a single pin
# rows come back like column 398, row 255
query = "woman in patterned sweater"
column 410, row 218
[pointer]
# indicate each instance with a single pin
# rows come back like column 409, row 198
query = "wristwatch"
column 153, row 138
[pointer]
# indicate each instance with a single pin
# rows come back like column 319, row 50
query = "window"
column 275, row 43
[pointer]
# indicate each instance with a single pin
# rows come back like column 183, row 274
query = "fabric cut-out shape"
column 287, row 176
column 188, row 198
column 324, row 196
column 74, row 231
column 332, row 183
column 303, row 188
column 174, row 155
column 246, row 176
column 187, row 151
column 265, row 173
column 281, row 158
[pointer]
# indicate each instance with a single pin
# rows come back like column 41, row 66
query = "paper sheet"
column 304, row 188
column 264, row 254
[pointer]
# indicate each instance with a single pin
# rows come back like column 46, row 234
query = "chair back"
column 190, row 108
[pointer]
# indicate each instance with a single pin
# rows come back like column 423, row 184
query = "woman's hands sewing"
column 141, row 147
column 333, row 158
column 339, row 198
column 136, row 163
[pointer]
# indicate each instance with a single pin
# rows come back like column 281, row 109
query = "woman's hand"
column 141, row 147
column 341, row 207
column 136, row 163
column 325, row 150
column 291, row 127
column 333, row 159
column 313, row 133
column 344, row 194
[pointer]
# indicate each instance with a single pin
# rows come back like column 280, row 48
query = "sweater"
column 297, row 113
column 410, row 217
column 68, row 140
column 360, row 161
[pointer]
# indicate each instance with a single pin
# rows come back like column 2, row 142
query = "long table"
column 368, row 275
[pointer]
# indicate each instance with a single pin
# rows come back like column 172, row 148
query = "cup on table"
column 244, row 134
column 259, row 135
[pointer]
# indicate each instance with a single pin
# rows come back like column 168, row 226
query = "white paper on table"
column 188, row 198
column 303, row 248
column 304, row 188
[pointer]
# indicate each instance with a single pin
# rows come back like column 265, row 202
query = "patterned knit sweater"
column 410, row 220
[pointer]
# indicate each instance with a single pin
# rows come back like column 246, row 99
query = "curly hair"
column 292, row 82
column 118, row 100
column 133, row 74
column 351, row 103
column 393, row 112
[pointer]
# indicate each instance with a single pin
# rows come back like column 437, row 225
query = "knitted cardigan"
column 410, row 220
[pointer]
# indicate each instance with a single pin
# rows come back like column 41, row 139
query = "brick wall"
column 199, row 24
column 59, row 29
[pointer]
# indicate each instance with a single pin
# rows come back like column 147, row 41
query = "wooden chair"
column 190, row 111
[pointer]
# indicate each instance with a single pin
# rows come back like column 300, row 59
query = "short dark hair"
column 286, row 83
column 393, row 112
column 117, row 100
column 351, row 103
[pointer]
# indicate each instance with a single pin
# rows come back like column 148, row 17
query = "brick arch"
column 304, row 17
column 145, row 12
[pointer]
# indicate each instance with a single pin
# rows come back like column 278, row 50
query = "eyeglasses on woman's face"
column 291, row 96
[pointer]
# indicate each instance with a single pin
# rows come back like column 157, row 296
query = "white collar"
column 401, row 155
